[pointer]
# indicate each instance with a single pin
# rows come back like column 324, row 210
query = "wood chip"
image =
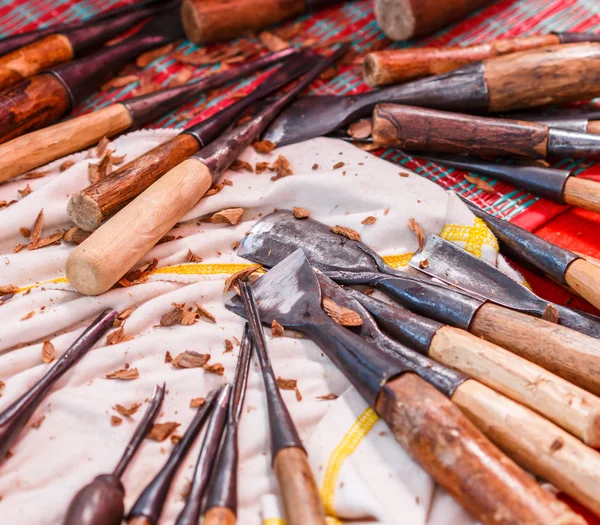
column 35, row 175
column 203, row 312
column 328, row 397
column 118, row 336
column 346, row 232
column 46, row 241
column 480, row 183
column 147, row 85
column 188, row 318
column 182, row 76
column 424, row 263
column 126, row 313
column 18, row 248
column 150, row 56
column 161, row 431
column 38, row 422
column 228, row 54
column 386, row 211
column 48, row 352
column 329, row 74
column 168, row 357
column 126, row 374
column 190, row 359
column 118, row 82
column 282, row 167
column 228, row 346
column 172, row 317
column 229, row 216
column 338, row 165
column 25, row 191
column 276, row 329
column 28, row 316
column 115, row 160
column 9, row 288
column 272, row 42
column 315, row 167
column 264, row 146
column 38, row 226
column 97, row 172
column 138, row 276
column 197, row 402
column 340, row 314
column 66, row 165
column 241, row 165
column 101, row 147
column 2, row 385
column 127, row 412
column 261, row 167
column 235, row 245
column 300, row 213
column 418, row 231
column 215, row 368
column 550, row 314
column 244, row 273
column 115, row 421
column 75, row 235
column 287, row 384
column 191, row 257
column 361, row 129
column 369, row 220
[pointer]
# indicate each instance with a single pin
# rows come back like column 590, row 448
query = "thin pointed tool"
column 101, row 501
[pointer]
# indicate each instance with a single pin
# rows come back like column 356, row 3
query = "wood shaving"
column 329, row 74
column 9, row 288
column 276, row 329
column 424, row 263
column 228, row 346
column 118, row 82
column 283, row 168
column 126, row 374
column 25, row 191
column 35, row 175
column 197, row 402
column 190, row 359
column 138, row 276
column 188, row 318
column 46, row 241
column 118, row 336
column 66, row 165
column 168, row 357
column 229, row 216
column 480, row 183
column 346, row 232
column 28, row 316
column 215, row 368
column 38, row 422
column 161, row 431
column 244, row 273
column 418, row 231
column 300, row 213
column 48, row 352
column 126, row 313
column 150, row 56
column 550, row 314
column 6, row 204
column 97, row 172
column 182, row 76
column 272, row 42
column 386, row 211
column 18, row 248
column 235, row 245
column 2, row 385
column 369, row 220
column 172, row 317
column 115, row 160
column 368, row 146
column 264, row 146
column 167, row 238
column 127, row 412
column 203, row 312
column 227, row 182
column 315, row 167
column 328, row 397
column 404, row 174
column 361, row 129
column 115, row 421
column 287, row 384
column 175, row 438
column 191, row 257
column 261, row 167
column 147, row 85
column 339, row 165
column 214, row 190
column 241, row 165
column 340, row 314
column 102, row 147
column 75, row 235
column 227, row 54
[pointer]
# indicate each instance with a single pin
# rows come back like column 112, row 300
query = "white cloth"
column 76, row 440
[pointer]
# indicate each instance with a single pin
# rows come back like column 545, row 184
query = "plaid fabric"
column 352, row 20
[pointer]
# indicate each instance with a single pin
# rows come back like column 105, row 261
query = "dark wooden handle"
column 433, row 430
column 98, row 503
column 33, row 58
column 299, row 491
column 32, row 104
column 583, row 193
column 551, row 75
column 400, row 65
column 412, row 128
column 404, row 19
column 219, row 516
column 90, row 207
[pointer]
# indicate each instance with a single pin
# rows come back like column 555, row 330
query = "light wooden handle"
column 45, row 145
column 299, row 491
column 584, row 278
column 29, row 60
column 583, row 193
column 569, row 406
column 400, row 65
column 139, row 520
column 535, row 443
column 593, row 126
column 569, row 354
column 219, row 516
column 458, row 457
column 113, row 249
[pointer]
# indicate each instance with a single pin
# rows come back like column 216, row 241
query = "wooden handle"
column 569, row 354
column 533, row 442
column 219, row 516
column 45, row 145
column 584, row 278
column 412, row 128
column 218, row 20
column 593, row 126
column 433, row 430
column 569, row 406
column 33, row 58
column 140, row 520
column 112, row 250
column 404, row 19
column 90, row 207
column 32, row 104
column 299, row 491
column 552, row 75
column 583, row 193
column 400, row 65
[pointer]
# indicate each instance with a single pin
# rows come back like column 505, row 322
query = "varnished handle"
column 219, row 516
column 45, row 145
column 534, row 443
column 458, row 457
column 565, row 352
column 89, row 208
column 299, row 491
column 400, row 65
column 567, row 405
column 112, row 250
column 413, row 128
column 593, row 126
column 100, row 502
column 584, row 278
column 583, row 193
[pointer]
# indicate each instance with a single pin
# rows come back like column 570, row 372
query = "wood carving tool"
column 565, row 352
column 44, row 145
column 475, row 473
column 100, row 502
column 114, row 248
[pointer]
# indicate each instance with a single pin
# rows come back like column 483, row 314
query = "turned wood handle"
column 219, row 516
column 32, row 104
column 458, row 456
column 534, row 443
column 583, row 193
column 593, row 126
column 112, row 250
column 584, row 278
column 45, row 145
column 140, row 520
column 565, row 352
column 551, row 75
column 299, row 491
column 413, row 128
column 92, row 206
column 404, row 19
column 400, row 65
column 33, row 58
column 567, row 405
